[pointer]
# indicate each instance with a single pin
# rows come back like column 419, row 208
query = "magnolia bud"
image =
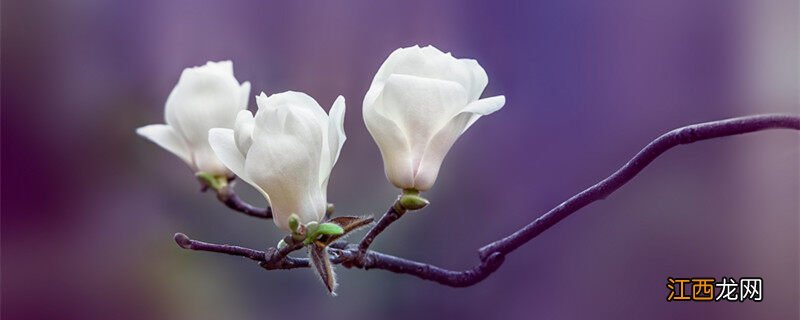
column 205, row 97
column 286, row 151
column 420, row 101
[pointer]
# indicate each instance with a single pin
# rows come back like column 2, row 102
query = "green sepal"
column 316, row 230
column 294, row 222
column 212, row 181
column 411, row 200
column 311, row 232
column 348, row 224
column 328, row 228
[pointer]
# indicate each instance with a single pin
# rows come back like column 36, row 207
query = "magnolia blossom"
column 420, row 101
column 205, row 97
column 287, row 152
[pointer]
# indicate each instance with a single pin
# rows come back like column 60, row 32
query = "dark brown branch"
column 602, row 189
column 493, row 254
column 395, row 212
column 227, row 196
column 465, row 278
column 351, row 258
column 186, row 243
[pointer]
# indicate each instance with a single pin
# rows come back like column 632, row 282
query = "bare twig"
column 395, row 212
column 186, row 243
column 465, row 278
column 227, row 196
column 493, row 254
column 602, row 189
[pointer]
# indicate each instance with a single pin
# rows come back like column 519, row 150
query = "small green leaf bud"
column 330, row 229
column 294, row 222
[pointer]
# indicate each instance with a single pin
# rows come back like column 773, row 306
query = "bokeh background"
column 89, row 208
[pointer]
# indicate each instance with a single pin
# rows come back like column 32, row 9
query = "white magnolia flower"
column 420, row 101
column 205, row 97
column 287, row 152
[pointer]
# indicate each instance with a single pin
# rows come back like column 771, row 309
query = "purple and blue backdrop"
column 89, row 208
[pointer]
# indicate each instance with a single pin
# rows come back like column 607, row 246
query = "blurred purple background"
column 89, row 208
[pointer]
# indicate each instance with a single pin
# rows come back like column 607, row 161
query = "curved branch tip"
column 183, row 241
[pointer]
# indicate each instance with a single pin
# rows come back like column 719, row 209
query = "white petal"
column 483, row 107
column 301, row 102
column 244, row 94
column 420, row 107
column 486, row 106
column 398, row 56
column 391, row 141
column 166, row 137
column 293, row 99
column 431, row 51
column 427, row 62
column 261, row 100
column 479, row 78
column 441, row 143
column 224, row 146
column 243, row 130
column 436, row 151
column 201, row 101
column 336, row 128
column 336, row 138
column 204, row 99
column 221, row 68
column 207, row 161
